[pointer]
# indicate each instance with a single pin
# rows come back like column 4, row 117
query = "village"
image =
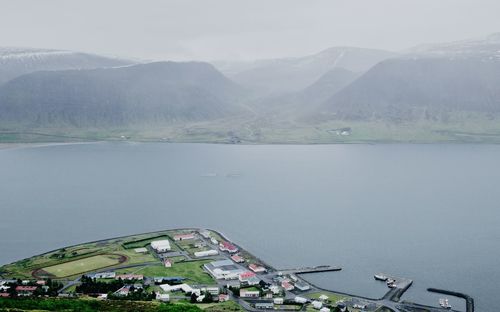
column 195, row 266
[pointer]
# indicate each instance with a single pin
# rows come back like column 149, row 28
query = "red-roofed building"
column 257, row 268
column 287, row 285
column 25, row 290
column 186, row 236
column 227, row 246
column 246, row 275
column 237, row 259
column 4, row 295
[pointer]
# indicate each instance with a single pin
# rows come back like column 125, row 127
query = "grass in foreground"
column 91, row 305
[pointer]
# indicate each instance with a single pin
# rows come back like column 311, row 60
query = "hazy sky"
column 237, row 29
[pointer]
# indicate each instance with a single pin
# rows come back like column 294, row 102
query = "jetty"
column 315, row 269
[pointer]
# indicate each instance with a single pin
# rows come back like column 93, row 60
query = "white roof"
column 184, row 287
column 323, row 297
column 324, row 309
column 163, row 244
column 142, row 249
column 317, row 304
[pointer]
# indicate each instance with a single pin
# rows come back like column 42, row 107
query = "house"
column 223, row 297
column 302, row 286
column 279, row 300
column 166, row 279
column 163, row 297
column 301, row 300
column 264, row 305
column 246, row 293
column 227, row 246
column 4, row 295
column 185, row 236
column 237, row 258
column 324, row 309
column 248, row 278
column 26, row 290
column 317, row 304
column 129, row 277
column 142, row 250
column 214, row 241
column 161, row 245
column 287, row 285
column 233, row 284
column 167, row 263
column 268, row 294
column 257, row 268
column 200, row 298
column 124, row 291
column 206, row 253
column 41, row 282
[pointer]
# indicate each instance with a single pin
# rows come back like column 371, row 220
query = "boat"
column 391, row 285
column 443, row 302
column 380, row 277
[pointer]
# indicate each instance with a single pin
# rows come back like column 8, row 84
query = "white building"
column 161, row 245
column 317, row 304
column 206, row 253
column 300, row 300
column 278, row 300
column 324, row 309
column 245, row 293
column 323, row 298
column 163, row 297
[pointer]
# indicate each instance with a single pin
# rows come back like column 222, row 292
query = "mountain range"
column 441, row 85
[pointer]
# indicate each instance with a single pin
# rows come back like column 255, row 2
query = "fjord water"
column 426, row 212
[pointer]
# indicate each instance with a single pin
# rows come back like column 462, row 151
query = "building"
column 165, row 279
column 324, row 309
column 264, row 305
column 206, row 253
column 323, row 298
column 26, row 290
column 287, row 285
column 124, row 291
column 257, row 268
column 103, row 275
column 214, row 291
column 163, row 297
column 227, row 246
column 275, row 289
column 237, row 258
column 129, row 277
column 223, row 298
column 248, row 278
column 302, row 286
column 167, row 263
column 246, row 293
column 317, row 304
column 301, row 300
column 141, row 250
column 4, row 295
column 279, row 300
column 214, row 241
column 182, row 287
column 161, row 245
column 223, row 269
column 185, row 236
column 205, row 233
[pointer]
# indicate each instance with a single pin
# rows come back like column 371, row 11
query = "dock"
column 469, row 302
column 316, row 269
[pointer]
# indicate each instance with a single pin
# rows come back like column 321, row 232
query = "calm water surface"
column 426, row 212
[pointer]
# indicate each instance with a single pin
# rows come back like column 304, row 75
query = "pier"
column 469, row 301
column 316, row 269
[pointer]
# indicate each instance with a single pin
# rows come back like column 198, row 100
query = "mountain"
column 432, row 83
column 327, row 85
column 146, row 93
column 15, row 62
column 275, row 76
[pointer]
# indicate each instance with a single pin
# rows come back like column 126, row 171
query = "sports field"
column 84, row 265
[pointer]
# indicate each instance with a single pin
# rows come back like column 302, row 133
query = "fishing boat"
column 443, row 302
column 380, row 277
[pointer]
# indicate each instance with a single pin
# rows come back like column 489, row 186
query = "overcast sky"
column 237, row 29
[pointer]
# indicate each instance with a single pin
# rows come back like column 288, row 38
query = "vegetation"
column 89, row 305
column 83, row 265
column 191, row 270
